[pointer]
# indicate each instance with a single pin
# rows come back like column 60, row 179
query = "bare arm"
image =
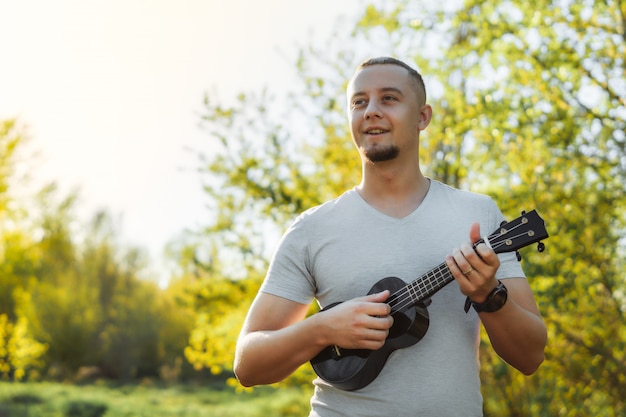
column 517, row 331
column 276, row 338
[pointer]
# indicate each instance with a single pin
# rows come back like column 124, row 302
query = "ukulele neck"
column 425, row 286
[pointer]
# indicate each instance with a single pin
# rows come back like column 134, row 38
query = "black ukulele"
column 352, row 369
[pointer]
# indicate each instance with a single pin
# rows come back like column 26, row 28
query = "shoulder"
column 462, row 207
column 448, row 190
column 317, row 221
column 454, row 197
column 345, row 203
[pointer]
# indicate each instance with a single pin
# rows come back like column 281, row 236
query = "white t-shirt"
column 338, row 250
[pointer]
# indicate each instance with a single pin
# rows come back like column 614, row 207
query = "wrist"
column 493, row 302
column 482, row 297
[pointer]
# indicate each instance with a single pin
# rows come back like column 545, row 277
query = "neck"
column 394, row 193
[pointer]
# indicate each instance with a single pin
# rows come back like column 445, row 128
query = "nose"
column 372, row 110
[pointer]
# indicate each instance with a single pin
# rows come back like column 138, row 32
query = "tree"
column 13, row 242
column 70, row 294
column 21, row 355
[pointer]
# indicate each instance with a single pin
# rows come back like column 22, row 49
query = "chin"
column 381, row 154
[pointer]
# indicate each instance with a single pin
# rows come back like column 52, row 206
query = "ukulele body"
column 352, row 369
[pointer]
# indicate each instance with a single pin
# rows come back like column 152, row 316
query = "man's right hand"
column 360, row 323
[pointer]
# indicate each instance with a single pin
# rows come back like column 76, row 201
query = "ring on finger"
column 466, row 273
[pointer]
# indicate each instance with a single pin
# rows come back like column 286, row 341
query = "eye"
column 359, row 102
column 388, row 97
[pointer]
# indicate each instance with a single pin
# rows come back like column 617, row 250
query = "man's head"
column 386, row 109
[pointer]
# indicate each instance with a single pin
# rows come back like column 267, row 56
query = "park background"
column 529, row 107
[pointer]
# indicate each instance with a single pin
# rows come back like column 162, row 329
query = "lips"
column 375, row 131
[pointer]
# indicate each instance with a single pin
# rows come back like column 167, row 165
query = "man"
column 396, row 222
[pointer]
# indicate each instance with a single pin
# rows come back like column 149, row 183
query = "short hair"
column 416, row 77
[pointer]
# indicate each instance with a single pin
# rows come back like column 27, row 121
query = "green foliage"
column 20, row 355
column 222, row 304
column 264, row 176
column 71, row 297
column 374, row 17
column 85, row 409
column 16, row 261
column 217, row 400
column 260, row 175
column 10, row 140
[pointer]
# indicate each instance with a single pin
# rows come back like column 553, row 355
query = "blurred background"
column 152, row 153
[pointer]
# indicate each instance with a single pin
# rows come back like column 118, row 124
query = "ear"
column 426, row 113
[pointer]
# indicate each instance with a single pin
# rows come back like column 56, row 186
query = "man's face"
column 384, row 112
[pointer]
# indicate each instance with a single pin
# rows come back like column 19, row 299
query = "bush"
column 85, row 409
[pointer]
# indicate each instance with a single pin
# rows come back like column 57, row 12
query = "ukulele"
column 352, row 369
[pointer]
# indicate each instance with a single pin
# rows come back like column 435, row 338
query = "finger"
column 468, row 252
column 376, row 334
column 480, row 257
column 374, row 304
column 373, row 344
column 454, row 266
column 379, row 326
column 378, row 297
column 462, row 261
column 382, row 323
column 487, row 255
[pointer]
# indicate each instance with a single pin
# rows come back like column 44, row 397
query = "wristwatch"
column 494, row 302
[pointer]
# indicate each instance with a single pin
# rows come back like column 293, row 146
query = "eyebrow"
column 382, row 90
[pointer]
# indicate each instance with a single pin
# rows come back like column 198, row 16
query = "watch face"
column 495, row 301
column 499, row 297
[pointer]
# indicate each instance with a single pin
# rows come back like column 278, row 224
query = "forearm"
column 277, row 338
column 517, row 335
column 516, row 330
column 269, row 356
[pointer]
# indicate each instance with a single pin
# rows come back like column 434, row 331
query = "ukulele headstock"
column 525, row 230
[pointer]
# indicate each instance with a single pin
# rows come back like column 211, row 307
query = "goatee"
column 382, row 154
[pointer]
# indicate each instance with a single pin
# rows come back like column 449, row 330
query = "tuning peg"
column 503, row 223
column 523, row 212
column 541, row 247
column 518, row 255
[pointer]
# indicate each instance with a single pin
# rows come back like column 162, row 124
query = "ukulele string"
column 404, row 296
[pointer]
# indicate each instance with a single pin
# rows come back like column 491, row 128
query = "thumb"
column 475, row 232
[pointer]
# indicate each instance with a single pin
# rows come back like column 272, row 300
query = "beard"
column 382, row 153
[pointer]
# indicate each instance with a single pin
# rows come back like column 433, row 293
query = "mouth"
column 375, row 131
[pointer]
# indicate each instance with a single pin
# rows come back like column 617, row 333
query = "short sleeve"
column 289, row 274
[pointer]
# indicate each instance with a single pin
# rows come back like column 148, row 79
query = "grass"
column 148, row 400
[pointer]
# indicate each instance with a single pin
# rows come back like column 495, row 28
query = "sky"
column 111, row 91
